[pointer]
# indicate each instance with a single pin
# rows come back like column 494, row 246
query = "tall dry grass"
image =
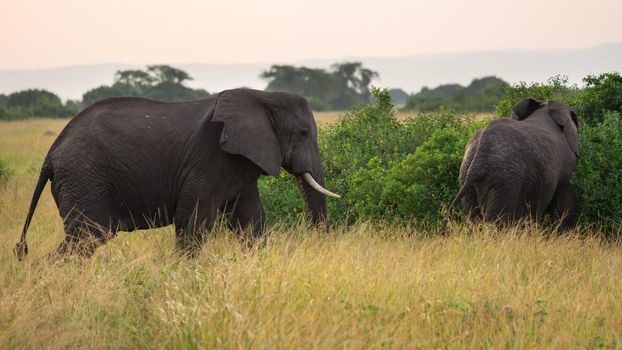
column 360, row 287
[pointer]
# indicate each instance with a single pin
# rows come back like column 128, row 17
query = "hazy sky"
column 42, row 34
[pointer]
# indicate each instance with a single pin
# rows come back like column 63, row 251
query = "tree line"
column 339, row 87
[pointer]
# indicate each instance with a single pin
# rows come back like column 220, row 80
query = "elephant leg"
column 501, row 206
column 471, row 204
column 84, row 234
column 192, row 222
column 247, row 214
column 565, row 205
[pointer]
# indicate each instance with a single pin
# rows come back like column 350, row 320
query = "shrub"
column 599, row 173
column 426, row 181
column 602, row 93
column 383, row 168
column 556, row 88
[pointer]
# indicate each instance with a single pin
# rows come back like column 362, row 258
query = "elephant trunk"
column 316, row 201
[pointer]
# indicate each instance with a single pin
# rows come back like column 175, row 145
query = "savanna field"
column 362, row 285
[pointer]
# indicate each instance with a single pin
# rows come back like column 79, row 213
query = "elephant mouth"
column 316, row 186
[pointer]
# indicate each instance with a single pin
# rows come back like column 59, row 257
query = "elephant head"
column 274, row 130
column 565, row 118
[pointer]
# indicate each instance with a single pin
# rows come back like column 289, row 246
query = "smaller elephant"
column 520, row 167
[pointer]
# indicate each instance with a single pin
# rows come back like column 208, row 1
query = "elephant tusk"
column 316, row 186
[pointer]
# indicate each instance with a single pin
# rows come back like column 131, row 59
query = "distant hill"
column 408, row 73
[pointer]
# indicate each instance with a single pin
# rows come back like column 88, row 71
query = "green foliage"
column 345, row 85
column 480, row 96
column 602, row 93
column 365, row 133
column 556, row 88
column 5, row 172
column 384, row 168
column 35, row 103
column 599, row 172
column 281, row 199
column 426, row 181
column 160, row 82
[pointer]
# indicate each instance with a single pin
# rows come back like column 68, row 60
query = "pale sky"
column 53, row 33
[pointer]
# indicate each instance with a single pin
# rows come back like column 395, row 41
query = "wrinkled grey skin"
column 521, row 167
column 132, row 163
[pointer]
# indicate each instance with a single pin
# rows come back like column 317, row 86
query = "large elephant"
column 132, row 163
column 521, row 167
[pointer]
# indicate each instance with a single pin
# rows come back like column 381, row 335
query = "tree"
column 167, row 74
column 35, row 103
column 133, row 78
column 344, row 85
column 356, row 76
column 27, row 98
column 159, row 82
column 102, row 92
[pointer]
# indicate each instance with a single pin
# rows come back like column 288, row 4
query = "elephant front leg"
column 192, row 223
column 246, row 215
column 565, row 205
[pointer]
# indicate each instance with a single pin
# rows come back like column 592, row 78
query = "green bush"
column 383, row 168
column 426, row 181
column 599, row 173
column 556, row 88
column 602, row 93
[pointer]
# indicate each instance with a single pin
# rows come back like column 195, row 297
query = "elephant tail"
column 459, row 196
column 21, row 248
column 469, row 182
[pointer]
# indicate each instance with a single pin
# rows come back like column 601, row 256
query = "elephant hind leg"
column 84, row 234
column 501, row 207
column 564, row 205
column 472, row 205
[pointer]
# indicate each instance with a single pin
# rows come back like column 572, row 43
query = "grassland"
column 360, row 287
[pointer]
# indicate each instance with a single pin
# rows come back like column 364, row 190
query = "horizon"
column 303, row 61
column 409, row 73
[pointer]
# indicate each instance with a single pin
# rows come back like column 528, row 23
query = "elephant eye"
column 304, row 133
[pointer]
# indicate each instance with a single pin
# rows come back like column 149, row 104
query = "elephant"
column 521, row 167
column 128, row 163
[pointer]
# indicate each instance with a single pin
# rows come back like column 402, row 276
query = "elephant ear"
column 524, row 108
column 247, row 129
column 567, row 120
